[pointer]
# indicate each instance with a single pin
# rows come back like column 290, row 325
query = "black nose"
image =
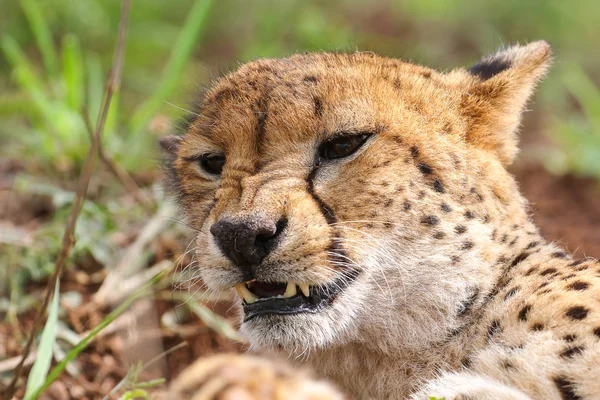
column 247, row 240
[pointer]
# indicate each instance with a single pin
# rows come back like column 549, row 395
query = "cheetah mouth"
column 288, row 298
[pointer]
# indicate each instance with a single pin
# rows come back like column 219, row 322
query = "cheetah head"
column 350, row 197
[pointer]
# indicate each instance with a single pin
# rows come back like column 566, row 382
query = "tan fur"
column 457, row 295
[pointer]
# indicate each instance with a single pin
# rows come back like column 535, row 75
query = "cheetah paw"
column 237, row 377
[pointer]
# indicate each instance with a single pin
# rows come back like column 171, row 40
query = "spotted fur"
column 448, row 290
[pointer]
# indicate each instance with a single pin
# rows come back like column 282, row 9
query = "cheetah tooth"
column 245, row 293
column 304, row 289
column 290, row 290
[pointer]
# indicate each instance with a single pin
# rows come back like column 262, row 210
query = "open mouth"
column 285, row 298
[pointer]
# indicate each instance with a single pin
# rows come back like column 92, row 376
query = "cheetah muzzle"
column 265, row 298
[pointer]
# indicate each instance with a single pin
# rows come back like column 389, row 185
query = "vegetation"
column 54, row 59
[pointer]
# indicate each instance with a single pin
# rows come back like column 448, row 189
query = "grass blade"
column 71, row 355
column 25, row 75
column 40, row 368
column 186, row 41
column 214, row 321
column 72, row 64
column 42, row 35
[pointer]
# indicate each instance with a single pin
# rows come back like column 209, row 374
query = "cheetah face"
column 330, row 191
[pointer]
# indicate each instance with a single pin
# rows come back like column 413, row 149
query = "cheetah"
column 361, row 208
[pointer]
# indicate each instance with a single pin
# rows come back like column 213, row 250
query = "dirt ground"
column 566, row 208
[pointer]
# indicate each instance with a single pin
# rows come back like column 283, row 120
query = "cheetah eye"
column 342, row 146
column 211, row 163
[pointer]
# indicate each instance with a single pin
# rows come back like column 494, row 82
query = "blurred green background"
column 55, row 54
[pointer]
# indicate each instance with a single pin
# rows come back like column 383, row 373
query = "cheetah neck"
column 518, row 248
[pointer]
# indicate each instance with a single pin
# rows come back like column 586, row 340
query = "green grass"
column 39, row 371
column 58, row 63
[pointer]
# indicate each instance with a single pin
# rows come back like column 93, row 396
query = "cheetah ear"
column 170, row 144
column 498, row 88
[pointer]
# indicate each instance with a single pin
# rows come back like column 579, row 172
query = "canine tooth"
column 304, row 289
column 290, row 290
column 245, row 294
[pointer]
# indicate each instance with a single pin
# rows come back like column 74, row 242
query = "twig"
column 120, row 173
column 131, row 262
column 112, row 84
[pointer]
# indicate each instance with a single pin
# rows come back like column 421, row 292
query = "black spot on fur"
column 532, row 245
column 506, row 364
column 426, row 75
column 388, row 203
column 577, row 262
column 406, row 205
column 543, row 285
column 524, row 312
column 310, row 78
column 467, row 245
column 537, row 327
column 569, row 338
column 548, row 271
column 430, row 220
column 578, row 285
column 521, row 257
column 493, row 329
column 460, row 229
column 577, row 312
column 504, row 238
column 572, row 351
column 424, row 168
column 414, row 150
column 439, row 235
column 511, row 293
column 477, row 195
column 530, row 271
column 565, row 387
column 559, row 254
column 445, row 207
column 487, row 69
column 469, row 215
column 438, row 186
column 597, row 332
column 318, row 107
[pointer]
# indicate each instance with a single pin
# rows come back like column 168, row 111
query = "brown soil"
column 567, row 208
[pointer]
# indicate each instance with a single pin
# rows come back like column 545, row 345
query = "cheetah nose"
column 247, row 240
